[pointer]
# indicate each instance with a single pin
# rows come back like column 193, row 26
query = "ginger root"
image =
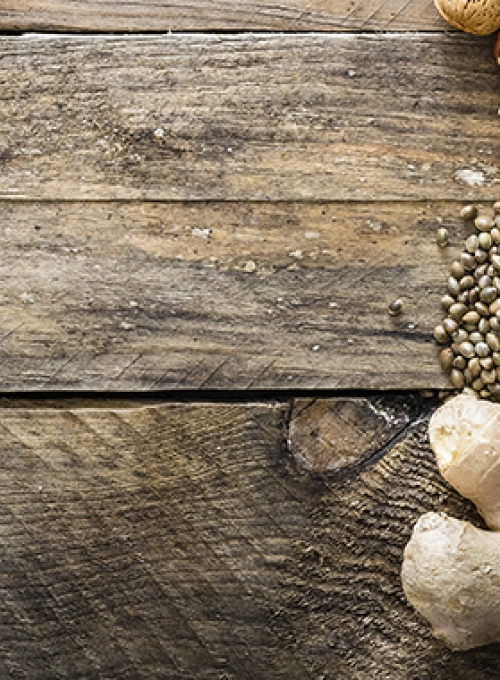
column 464, row 434
column 451, row 569
column 451, row 575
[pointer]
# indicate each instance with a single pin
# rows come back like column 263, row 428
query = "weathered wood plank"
column 220, row 15
column 334, row 117
column 148, row 296
column 180, row 542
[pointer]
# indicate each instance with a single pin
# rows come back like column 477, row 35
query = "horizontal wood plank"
column 180, row 542
column 220, row 15
column 214, row 296
column 312, row 117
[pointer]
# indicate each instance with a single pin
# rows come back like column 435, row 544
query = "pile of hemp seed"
column 471, row 329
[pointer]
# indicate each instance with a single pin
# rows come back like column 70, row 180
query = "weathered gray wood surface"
column 180, row 541
column 206, row 541
column 220, row 15
column 312, row 117
column 142, row 296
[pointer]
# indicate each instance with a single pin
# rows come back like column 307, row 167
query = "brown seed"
column 477, row 384
column 496, row 282
column 482, row 309
column 485, row 393
column 457, row 311
column 468, row 261
column 457, row 270
column 395, row 308
column 471, row 317
column 472, row 244
column 466, row 282
column 464, row 298
column 485, row 241
column 457, row 378
column 474, row 295
column 484, row 325
column 480, row 271
column 447, row 301
column 494, row 306
column 453, row 286
column 488, row 294
column 481, row 256
column 495, row 324
column 488, row 377
column 449, row 326
column 487, row 363
column 442, row 237
column 494, row 390
column 495, row 261
column 484, row 223
column 474, row 366
column 496, row 358
column 476, row 337
column 496, row 207
column 482, row 349
column 468, row 212
column 485, row 282
column 440, row 335
column 466, row 349
column 493, row 342
column 446, row 358
column 460, row 335
column 459, row 362
column 491, row 271
column 495, row 235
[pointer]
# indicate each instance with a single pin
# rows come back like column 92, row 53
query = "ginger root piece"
column 451, row 575
column 465, row 436
column 481, row 17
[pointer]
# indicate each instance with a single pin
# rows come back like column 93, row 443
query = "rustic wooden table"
column 213, row 435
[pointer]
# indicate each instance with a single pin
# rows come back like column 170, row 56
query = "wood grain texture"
column 148, row 296
column 220, row 15
column 180, row 542
column 333, row 117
